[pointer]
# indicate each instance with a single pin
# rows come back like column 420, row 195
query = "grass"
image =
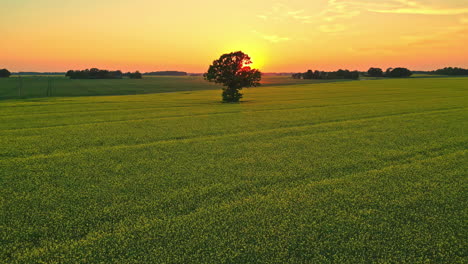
column 37, row 86
column 349, row 172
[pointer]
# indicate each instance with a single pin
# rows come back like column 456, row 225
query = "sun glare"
column 256, row 52
column 256, row 61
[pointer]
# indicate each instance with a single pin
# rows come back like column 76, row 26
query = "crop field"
column 346, row 172
column 59, row 86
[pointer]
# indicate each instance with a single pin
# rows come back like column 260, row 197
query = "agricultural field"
column 60, row 86
column 346, row 172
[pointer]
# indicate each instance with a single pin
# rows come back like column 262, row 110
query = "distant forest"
column 166, row 73
column 354, row 75
column 38, row 73
column 451, row 71
column 95, row 73
column 340, row 74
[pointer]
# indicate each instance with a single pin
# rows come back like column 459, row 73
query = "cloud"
column 293, row 13
column 417, row 8
column 281, row 12
column 274, row 38
column 424, row 11
column 334, row 28
column 271, row 38
column 303, row 19
column 338, row 10
column 347, row 9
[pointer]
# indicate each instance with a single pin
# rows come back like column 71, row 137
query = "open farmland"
column 60, row 86
column 348, row 172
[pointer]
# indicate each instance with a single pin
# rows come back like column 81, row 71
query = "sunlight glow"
column 293, row 36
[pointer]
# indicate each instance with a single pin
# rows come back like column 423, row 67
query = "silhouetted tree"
column 297, row 76
column 70, row 73
column 4, row 73
column 451, row 71
column 232, row 71
column 166, row 73
column 308, row 75
column 340, row 74
column 94, row 73
column 398, row 73
column 134, row 75
column 375, row 72
column 316, row 74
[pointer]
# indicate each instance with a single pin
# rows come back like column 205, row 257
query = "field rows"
column 294, row 174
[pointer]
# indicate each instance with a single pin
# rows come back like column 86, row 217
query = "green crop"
column 350, row 172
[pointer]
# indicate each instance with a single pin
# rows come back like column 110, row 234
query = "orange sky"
column 286, row 36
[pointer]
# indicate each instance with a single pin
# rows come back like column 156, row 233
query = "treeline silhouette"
column 389, row 73
column 38, row 73
column 4, row 73
column 134, row 75
column 166, row 73
column 95, row 73
column 340, row 74
column 451, row 71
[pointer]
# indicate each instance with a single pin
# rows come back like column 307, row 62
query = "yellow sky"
column 293, row 35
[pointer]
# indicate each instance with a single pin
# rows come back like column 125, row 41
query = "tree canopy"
column 94, row 73
column 166, row 73
column 134, row 75
column 398, row 73
column 340, row 74
column 375, row 72
column 232, row 70
column 4, row 73
column 451, row 71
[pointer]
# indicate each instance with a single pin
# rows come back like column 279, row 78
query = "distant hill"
column 166, row 73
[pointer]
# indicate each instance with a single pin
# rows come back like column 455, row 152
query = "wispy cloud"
column 275, row 38
column 346, row 9
column 338, row 9
column 293, row 13
column 281, row 12
column 418, row 8
column 271, row 38
column 424, row 11
column 333, row 28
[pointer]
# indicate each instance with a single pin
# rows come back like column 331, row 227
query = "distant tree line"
column 389, row 73
column 340, row 74
column 451, row 71
column 39, row 73
column 166, row 73
column 134, row 75
column 95, row 73
column 4, row 73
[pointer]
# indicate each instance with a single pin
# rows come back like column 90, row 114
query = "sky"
column 187, row 35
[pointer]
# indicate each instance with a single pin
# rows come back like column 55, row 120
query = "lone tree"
column 232, row 71
column 4, row 73
column 399, row 73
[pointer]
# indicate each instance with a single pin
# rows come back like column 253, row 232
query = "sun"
column 255, row 51
column 257, row 62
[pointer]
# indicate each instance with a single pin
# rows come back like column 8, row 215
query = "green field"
column 59, row 86
column 350, row 172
